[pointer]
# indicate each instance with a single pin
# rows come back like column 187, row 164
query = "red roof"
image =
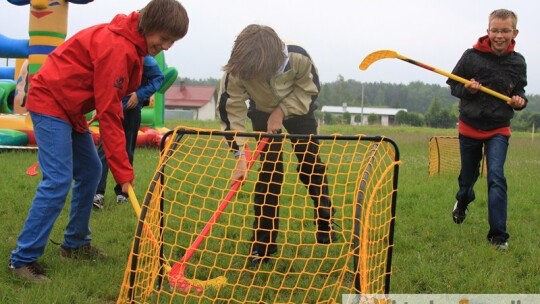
column 188, row 96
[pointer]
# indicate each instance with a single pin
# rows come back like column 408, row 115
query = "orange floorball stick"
column 384, row 54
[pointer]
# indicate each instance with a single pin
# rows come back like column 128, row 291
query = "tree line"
column 429, row 105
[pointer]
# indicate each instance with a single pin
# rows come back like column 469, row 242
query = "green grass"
column 431, row 254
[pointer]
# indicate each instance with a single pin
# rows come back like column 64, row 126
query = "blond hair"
column 164, row 16
column 504, row 14
column 257, row 53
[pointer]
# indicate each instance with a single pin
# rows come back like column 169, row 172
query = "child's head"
column 162, row 22
column 257, row 53
column 502, row 29
column 504, row 14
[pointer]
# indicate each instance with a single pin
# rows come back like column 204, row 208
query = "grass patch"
column 431, row 254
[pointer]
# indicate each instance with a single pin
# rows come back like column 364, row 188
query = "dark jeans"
column 131, row 124
column 311, row 170
column 496, row 149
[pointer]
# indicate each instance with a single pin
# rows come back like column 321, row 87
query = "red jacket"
column 94, row 69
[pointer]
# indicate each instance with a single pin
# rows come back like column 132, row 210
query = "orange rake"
column 384, row 54
column 176, row 276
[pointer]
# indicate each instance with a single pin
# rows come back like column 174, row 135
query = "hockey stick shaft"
column 383, row 54
column 224, row 203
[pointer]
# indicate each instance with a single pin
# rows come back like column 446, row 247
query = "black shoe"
column 325, row 232
column 459, row 213
column 255, row 260
column 502, row 246
column 498, row 244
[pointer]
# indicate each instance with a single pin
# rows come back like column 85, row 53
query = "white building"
column 359, row 115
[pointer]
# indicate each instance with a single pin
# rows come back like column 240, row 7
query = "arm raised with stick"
column 384, row 54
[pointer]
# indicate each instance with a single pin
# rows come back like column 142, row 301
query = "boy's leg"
column 267, row 191
column 496, row 151
column 86, row 175
column 312, row 173
column 102, row 185
column 131, row 124
column 55, row 157
column 471, row 156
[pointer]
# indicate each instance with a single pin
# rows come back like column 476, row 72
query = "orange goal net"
column 194, row 231
column 445, row 158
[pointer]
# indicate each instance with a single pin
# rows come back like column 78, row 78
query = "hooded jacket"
column 94, row 69
column 506, row 74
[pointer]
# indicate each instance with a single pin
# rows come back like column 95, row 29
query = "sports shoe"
column 502, row 246
column 325, row 232
column 255, row 260
column 85, row 252
column 99, row 201
column 120, row 198
column 32, row 272
column 459, row 213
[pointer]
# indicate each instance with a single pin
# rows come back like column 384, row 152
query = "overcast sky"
column 338, row 34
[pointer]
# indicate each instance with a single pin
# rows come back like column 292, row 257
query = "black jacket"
column 506, row 74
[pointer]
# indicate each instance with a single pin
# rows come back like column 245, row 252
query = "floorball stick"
column 384, row 54
column 176, row 276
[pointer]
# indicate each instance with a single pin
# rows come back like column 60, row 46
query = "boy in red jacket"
column 94, row 69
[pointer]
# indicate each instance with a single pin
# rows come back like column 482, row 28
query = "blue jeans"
column 496, row 149
column 65, row 157
column 131, row 125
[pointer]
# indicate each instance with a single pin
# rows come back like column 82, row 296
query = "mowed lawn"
column 431, row 253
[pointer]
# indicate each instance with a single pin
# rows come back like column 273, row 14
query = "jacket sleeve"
column 306, row 87
column 115, row 74
column 152, row 79
column 522, row 81
column 457, row 88
column 232, row 109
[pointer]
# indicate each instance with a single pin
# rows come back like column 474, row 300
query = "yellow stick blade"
column 378, row 55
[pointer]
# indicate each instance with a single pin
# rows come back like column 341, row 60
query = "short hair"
column 504, row 14
column 167, row 16
column 257, row 53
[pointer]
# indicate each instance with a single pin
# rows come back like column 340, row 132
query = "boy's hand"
column 473, row 87
column 240, row 171
column 125, row 186
column 517, row 102
column 132, row 102
column 275, row 121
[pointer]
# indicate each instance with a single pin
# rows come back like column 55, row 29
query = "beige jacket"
column 294, row 91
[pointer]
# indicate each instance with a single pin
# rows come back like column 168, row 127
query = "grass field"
column 431, row 254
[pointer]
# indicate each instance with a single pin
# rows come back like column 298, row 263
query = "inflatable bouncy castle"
column 47, row 30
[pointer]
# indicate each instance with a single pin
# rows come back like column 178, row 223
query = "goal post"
column 445, row 157
column 191, row 183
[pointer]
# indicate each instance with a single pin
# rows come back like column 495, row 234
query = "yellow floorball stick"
column 384, row 54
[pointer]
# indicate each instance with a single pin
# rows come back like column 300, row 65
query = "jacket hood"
column 484, row 45
column 128, row 26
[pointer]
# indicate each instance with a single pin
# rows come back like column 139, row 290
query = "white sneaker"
column 99, row 201
column 121, row 199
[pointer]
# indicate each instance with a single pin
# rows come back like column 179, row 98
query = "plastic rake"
column 384, row 54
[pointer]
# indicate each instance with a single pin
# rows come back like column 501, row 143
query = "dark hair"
column 167, row 16
column 257, row 53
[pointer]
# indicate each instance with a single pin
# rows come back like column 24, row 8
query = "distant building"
column 359, row 115
column 190, row 102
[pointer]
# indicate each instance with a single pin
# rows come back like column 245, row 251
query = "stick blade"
column 377, row 55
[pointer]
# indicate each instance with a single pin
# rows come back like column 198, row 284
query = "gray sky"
column 338, row 34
